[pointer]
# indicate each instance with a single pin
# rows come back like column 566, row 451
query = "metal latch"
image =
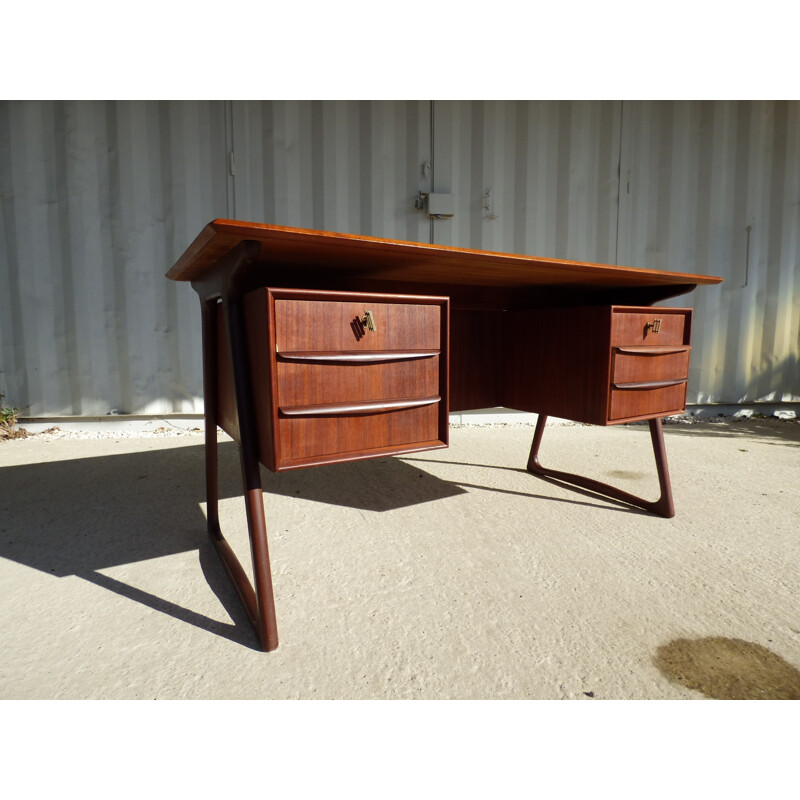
column 655, row 325
column 440, row 205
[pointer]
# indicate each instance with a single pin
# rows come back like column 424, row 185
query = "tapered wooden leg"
column 258, row 603
column 663, row 506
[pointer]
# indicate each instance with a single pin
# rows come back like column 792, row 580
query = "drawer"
column 646, row 399
column 650, row 326
column 309, row 325
column 340, row 378
column 642, row 363
column 319, row 434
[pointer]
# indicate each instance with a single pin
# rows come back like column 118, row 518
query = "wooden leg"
column 258, row 603
column 663, row 506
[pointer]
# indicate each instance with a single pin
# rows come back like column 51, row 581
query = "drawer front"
column 318, row 437
column 653, row 326
column 323, row 325
column 641, row 401
column 308, row 382
column 632, row 364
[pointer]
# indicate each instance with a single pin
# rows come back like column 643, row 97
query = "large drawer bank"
column 321, row 347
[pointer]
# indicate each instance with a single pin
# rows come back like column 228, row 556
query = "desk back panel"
column 557, row 362
column 477, row 353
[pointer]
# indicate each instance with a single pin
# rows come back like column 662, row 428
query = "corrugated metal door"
column 714, row 188
column 350, row 167
column 539, row 178
column 97, row 200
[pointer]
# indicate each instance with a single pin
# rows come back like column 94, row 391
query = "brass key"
column 368, row 321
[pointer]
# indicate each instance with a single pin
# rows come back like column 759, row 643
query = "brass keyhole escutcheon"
column 368, row 321
column 655, row 325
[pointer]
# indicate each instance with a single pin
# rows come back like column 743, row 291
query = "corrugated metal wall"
column 714, row 187
column 99, row 198
column 352, row 167
column 536, row 178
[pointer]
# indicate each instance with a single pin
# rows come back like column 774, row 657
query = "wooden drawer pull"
column 648, row 384
column 358, row 356
column 652, row 351
column 339, row 409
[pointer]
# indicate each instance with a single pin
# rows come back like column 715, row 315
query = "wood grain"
column 558, row 361
column 311, row 439
column 292, row 256
column 641, row 403
column 328, row 325
column 629, row 326
column 325, row 394
column 477, row 359
column 356, row 407
column 566, row 362
column 331, row 382
column 628, row 366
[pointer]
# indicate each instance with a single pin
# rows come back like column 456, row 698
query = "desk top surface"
column 299, row 252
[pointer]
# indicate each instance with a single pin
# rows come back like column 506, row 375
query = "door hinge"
column 231, row 163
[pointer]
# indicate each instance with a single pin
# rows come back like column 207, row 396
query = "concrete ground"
column 447, row 574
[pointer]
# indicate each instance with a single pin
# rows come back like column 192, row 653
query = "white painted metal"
column 539, row 178
column 350, row 166
column 714, row 187
column 99, row 198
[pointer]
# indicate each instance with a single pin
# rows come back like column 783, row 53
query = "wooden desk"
column 323, row 347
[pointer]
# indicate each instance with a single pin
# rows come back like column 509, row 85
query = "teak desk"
column 323, row 347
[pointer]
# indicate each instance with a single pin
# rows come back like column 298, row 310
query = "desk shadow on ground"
column 760, row 431
column 81, row 516
column 728, row 669
column 601, row 501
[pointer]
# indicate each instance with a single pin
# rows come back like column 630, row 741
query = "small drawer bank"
column 602, row 365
